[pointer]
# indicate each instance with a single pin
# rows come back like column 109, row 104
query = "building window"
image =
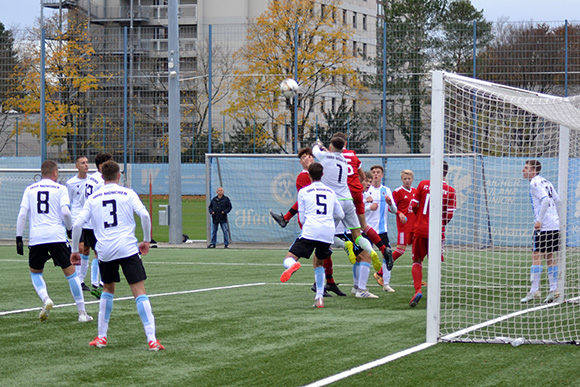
column 333, row 104
column 364, row 50
column 364, row 22
column 322, row 102
column 344, row 16
column 354, row 53
column 354, row 20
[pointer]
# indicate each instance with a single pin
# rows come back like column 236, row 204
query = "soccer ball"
column 289, row 87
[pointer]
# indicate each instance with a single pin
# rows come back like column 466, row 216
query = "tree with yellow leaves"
column 324, row 64
column 70, row 76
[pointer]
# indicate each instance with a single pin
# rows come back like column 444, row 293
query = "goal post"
column 486, row 132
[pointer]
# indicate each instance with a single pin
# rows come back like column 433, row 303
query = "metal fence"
column 106, row 87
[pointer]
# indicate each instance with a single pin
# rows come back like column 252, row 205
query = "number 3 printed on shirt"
column 113, row 212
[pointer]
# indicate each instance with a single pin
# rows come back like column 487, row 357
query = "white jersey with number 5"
column 111, row 212
column 335, row 172
column 44, row 201
column 541, row 189
column 318, row 208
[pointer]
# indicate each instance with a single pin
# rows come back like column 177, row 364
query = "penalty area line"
column 8, row 312
column 368, row 366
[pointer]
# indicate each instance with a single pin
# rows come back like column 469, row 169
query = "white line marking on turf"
column 368, row 366
column 5, row 313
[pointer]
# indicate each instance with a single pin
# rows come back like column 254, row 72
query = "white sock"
column 338, row 242
column 144, row 309
column 536, row 273
column 319, row 278
column 355, row 274
column 39, row 285
column 386, row 274
column 77, row 292
column 363, row 277
column 105, row 309
column 365, row 244
column 83, row 267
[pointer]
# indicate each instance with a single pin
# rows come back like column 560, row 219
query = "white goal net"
column 486, row 132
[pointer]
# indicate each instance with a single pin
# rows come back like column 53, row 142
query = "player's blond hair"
column 407, row 172
column 369, row 175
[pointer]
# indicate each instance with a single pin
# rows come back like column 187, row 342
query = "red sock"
column 380, row 272
column 327, row 264
column 374, row 238
column 417, row 272
column 288, row 216
column 397, row 253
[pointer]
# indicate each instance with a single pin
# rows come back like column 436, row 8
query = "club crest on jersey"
column 283, row 189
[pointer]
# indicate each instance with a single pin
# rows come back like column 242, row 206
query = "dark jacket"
column 219, row 208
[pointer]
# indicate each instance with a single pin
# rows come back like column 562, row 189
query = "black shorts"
column 132, row 266
column 59, row 252
column 303, row 248
column 546, row 241
column 88, row 238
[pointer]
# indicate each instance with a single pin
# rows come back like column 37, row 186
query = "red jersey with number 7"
column 420, row 207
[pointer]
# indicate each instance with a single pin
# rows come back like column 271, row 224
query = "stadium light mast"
column 175, row 225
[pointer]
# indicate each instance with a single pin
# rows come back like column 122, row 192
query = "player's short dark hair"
column 337, row 142
column 48, row 167
column 110, row 170
column 304, row 151
column 377, row 166
column 342, row 135
column 368, row 175
column 445, row 168
column 535, row 164
column 102, row 158
column 315, row 171
column 80, row 157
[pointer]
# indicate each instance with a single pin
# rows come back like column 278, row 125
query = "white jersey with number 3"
column 318, row 208
column 110, row 210
column 44, row 201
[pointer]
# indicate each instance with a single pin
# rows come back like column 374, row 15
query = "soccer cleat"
column 388, row 289
column 155, row 346
column 376, row 261
column 388, row 256
column 379, row 279
column 99, row 342
column 324, row 294
column 530, row 296
column 85, row 287
column 318, row 303
column 84, row 317
column 365, row 294
column 48, row 305
column 212, row 246
column 551, row 297
column 288, row 272
column 95, row 291
column 354, row 289
column 415, row 300
column 279, row 219
column 349, row 248
column 333, row 287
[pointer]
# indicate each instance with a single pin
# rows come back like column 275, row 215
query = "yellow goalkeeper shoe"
column 349, row 250
column 376, row 261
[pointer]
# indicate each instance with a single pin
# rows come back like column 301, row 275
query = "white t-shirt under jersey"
column 318, row 208
column 76, row 193
column 44, row 201
column 542, row 189
column 110, row 210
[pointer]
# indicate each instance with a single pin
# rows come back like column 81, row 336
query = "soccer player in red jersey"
column 355, row 176
column 420, row 206
column 303, row 180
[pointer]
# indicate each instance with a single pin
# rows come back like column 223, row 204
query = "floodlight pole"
column 175, row 226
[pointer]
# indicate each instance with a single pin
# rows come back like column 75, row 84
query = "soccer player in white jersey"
column 318, row 208
column 76, row 192
column 111, row 211
column 335, row 177
column 93, row 184
column 381, row 204
column 546, row 202
column 48, row 204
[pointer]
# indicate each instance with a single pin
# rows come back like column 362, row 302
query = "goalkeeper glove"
column 19, row 246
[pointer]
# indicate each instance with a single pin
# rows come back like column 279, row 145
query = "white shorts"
column 350, row 219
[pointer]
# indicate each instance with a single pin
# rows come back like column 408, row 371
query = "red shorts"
column 359, row 203
column 405, row 238
column 421, row 249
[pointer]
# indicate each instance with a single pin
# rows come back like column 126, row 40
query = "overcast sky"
column 22, row 13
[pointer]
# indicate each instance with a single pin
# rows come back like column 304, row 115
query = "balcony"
column 56, row 4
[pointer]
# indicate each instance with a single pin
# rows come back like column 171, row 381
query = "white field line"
column 5, row 313
column 368, row 366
